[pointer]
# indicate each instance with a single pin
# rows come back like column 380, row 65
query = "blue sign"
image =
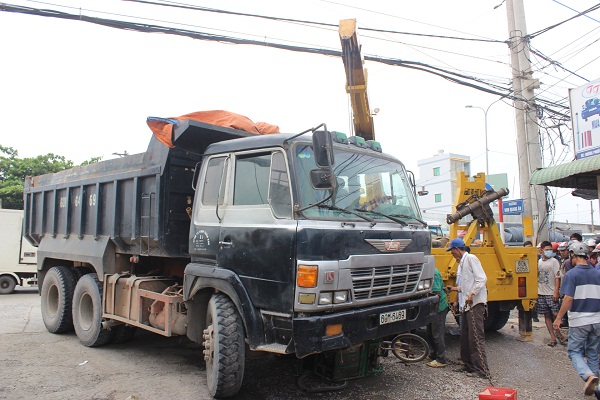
column 512, row 207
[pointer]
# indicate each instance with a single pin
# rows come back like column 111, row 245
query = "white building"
column 437, row 178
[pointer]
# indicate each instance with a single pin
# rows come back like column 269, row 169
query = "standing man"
column 581, row 288
column 472, row 299
column 563, row 249
column 576, row 237
column 548, row 287
column 437, row 328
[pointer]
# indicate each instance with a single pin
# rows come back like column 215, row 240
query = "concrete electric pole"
column 535, row 223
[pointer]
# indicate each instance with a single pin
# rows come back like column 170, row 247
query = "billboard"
column 585, row 118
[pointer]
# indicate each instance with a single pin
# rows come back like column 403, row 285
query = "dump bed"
column 135, row 205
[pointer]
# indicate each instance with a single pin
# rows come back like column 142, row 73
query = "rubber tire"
column 495, row 319
column 81, row 271
column 122, row 333
column 7, row 284
column 57, row 298
column 225, row 364
column 87, row 312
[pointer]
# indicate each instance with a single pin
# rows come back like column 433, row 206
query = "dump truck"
column 309, row 244
column 18, row 264
column 511, row 271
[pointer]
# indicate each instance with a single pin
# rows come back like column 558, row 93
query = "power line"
column 593, row 8
column 395, row 16
column 454, row 77
column 572, row 9
column 148, row 28
column 281, row 19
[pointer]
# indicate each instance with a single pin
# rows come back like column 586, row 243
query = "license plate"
column 389, row 317
column 522, row 266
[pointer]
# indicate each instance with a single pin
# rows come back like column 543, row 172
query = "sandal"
column 551, row 344
column 564, row 341
column 475, row 375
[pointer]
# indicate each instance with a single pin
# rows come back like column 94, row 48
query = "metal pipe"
column 472, row 207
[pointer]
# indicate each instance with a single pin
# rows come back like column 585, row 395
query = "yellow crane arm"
column 356, row 80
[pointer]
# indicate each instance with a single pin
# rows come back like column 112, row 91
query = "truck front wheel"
column 7, row 284
column 87, row 312
column 223, row 347
column 56, row 299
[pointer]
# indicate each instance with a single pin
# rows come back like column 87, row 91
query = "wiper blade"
column 410, row 217
column 329, row 207
column 399, row 221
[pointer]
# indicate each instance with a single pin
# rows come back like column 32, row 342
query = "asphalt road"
column 35, row 364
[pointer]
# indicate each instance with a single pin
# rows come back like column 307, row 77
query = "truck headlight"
column 325, row 297
column 341, row 296
column 424, row 284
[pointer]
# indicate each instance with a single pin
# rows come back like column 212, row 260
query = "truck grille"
column 376, row 282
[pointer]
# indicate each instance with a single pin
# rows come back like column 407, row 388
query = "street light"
column 485, row 112
column 487, row 168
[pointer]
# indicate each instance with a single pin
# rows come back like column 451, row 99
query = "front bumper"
column 359, row 326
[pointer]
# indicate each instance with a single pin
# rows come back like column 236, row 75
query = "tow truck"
column 511, row 271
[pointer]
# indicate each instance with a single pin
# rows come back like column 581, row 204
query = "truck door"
column 204, row 240
column 258, row 233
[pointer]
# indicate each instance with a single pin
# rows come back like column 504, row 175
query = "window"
column 436, row 171
column 279, row 187
column 369, row 182
column 438, row 197
column 251, row 185
column 214, row 182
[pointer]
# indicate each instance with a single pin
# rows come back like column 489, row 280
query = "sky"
column 82, row 90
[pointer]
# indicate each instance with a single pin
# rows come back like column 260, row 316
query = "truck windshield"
column 365, row 182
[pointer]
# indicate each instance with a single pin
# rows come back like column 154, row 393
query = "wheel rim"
column 4, row 284
column 209, row 349
column 52, row 300
column 86, row 311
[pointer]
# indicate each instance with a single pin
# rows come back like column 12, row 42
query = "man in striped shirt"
column 581, row 288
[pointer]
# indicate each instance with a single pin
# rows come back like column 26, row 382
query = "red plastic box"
column 495, row 393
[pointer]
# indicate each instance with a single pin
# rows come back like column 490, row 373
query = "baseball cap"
column 456, row 244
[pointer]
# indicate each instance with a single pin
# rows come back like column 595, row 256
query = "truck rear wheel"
column 496, row 318
column 87, row 312
column 224, row 349
column 56, row 299
column 7, row 284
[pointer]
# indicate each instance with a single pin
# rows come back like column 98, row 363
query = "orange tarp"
column 163, row 127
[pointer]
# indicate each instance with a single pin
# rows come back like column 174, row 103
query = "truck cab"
column 307, row 257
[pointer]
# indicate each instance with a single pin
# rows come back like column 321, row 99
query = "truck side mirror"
column 321, row 178
column 323, row 148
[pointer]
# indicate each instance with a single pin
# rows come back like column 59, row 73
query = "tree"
column 13, row 171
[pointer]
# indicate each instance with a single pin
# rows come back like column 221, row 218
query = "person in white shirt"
column 472, row 300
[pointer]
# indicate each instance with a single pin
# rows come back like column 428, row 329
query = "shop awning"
column 579, row 174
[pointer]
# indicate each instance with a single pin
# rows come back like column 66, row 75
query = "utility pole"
column 592, row 215
column 535, row 224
